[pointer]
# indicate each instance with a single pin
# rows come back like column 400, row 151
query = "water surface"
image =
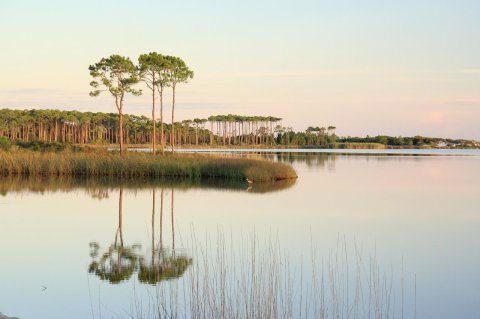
column 417, row 217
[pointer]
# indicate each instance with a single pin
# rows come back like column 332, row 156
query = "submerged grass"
column 132, row 165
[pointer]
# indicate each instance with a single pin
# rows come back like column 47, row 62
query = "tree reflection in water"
column 120, row 262
column 164, row 264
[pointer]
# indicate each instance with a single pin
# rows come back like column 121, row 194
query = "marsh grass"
column 257, row 279
column 134, row 165
column 359, row 145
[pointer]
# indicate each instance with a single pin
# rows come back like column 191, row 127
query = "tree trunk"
column 173, row 120
column 224, row 132
column 153, row 114
column 120, row 113
column 162, row 132
column 196, row 135
column 211, row 132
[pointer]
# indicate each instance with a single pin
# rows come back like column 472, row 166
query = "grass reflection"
column 99, row 187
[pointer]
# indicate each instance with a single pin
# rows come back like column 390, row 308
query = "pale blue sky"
column 367, row 67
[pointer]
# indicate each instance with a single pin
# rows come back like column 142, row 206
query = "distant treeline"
column 411, row 142
column 24, row 127
column 54, row 126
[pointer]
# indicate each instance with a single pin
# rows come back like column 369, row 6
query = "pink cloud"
column 435, row 117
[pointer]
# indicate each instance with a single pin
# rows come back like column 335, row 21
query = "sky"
column 372, row 67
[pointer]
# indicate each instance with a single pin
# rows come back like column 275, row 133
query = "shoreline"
column 268, row 147
column 398, row 152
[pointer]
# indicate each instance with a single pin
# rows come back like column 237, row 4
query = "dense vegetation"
column 54, row 126
column 34, row 128
column 411, row 142
column 134, row 165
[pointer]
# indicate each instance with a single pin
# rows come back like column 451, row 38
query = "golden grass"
column 136, row 164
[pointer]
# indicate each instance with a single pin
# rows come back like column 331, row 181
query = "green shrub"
column 44, row 146
column 5, row 143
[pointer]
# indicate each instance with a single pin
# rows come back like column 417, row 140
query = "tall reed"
column 252, row 278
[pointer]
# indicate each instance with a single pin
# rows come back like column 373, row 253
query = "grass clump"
column 359, row 146
column 255, row 277
column 133, row 165
column 5, row 143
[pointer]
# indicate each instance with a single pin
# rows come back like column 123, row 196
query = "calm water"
column 413, row 221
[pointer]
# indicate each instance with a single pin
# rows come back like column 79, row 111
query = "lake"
column 384, row 234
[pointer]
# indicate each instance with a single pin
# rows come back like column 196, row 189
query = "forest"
column 55, row 126
column 25, row 127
